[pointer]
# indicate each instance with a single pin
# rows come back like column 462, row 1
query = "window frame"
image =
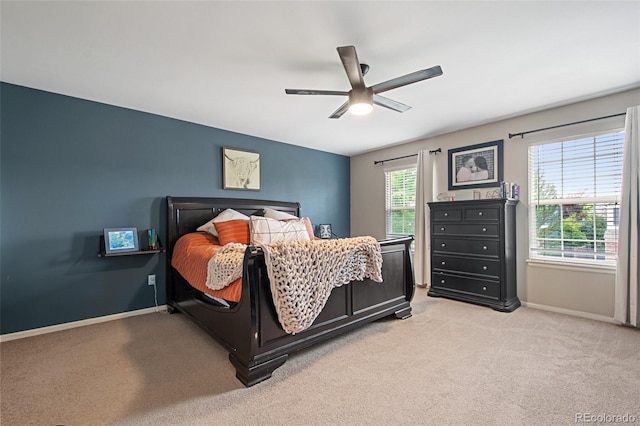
column 388, row 209
column 609, row 261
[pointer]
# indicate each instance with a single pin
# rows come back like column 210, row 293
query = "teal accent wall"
column 70, row 168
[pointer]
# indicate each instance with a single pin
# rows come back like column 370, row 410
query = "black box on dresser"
column 473, row 252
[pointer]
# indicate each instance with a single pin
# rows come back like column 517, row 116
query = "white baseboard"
column 66, row 326
column 570, row 312
column 59, row 327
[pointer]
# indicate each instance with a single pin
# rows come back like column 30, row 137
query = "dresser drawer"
column 474, row 266
column 477, row 247
column 449, row 214
column 482, row 213
column 459, row 284
column 479, row 229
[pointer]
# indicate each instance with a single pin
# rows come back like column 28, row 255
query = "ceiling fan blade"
column 340, row 111
column 390, row 103
column 314, row 92
column 414, row 77
column 351, row 65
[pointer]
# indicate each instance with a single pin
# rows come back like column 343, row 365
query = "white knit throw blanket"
column 225, row 266
column 302, row 273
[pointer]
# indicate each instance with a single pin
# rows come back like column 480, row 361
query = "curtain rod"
column 521, row 134
column 435, row 151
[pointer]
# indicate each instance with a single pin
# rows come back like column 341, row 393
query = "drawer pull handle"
column 442, row 228
column 444, row 263
column 484, row 288
column 441, row 281
column 484, row 247
column 484, row 268
column 484, row 229
column 479, row 213
column 444, row 245
column 446, row 214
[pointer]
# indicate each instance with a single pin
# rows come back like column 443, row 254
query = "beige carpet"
column 451, row 363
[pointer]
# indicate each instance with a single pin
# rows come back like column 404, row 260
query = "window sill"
column 573, row 266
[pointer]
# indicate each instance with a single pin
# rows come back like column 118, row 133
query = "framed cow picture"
column 240, row 169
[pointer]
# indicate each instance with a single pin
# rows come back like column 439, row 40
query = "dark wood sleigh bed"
column 249, row 329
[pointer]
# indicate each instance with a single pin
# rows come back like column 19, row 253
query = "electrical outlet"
column 151, row 280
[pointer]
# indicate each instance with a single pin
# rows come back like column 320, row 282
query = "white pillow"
column 278, row 215
column 228, row 214
column 265, row 230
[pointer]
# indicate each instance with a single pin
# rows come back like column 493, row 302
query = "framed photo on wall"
column 240, row 169
column 476, row 166
column 120, row 240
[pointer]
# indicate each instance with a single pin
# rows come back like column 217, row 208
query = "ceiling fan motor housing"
column 361, row 101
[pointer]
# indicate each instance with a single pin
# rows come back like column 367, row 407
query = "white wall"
column 561, row 289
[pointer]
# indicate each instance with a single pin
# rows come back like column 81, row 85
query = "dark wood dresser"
column 473, row 252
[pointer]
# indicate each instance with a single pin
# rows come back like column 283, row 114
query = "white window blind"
column 574, row 193
column 400, row 196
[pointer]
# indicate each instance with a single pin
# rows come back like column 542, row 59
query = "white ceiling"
column 226, row 64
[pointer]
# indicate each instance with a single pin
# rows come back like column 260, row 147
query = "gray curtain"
column 627, row 286
column 426, row 186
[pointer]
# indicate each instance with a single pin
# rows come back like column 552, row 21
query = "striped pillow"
column 267, row 231
column 233, row 231
column 228, row 214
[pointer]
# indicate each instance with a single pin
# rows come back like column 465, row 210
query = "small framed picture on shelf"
column 325, row 231
column 120, row 240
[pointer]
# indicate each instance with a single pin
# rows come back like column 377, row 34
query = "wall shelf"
column 102, row 252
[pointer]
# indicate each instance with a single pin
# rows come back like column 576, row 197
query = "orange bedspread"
column 191, row 256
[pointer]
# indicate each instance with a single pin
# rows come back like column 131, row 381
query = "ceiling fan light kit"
column 361, row 97
column 361, row 102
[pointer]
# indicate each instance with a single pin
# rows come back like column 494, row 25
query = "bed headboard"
column 186, row 214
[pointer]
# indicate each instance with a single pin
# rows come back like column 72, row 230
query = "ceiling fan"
column 361, row 97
